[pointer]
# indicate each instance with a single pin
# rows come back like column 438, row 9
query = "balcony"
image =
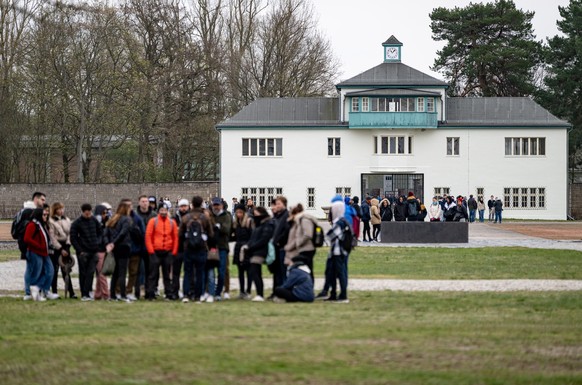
column 367, row 120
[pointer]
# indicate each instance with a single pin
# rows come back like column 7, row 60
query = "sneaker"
column 52, row 296
column 86, row 299
column 330, row 299
column 92, row 295
column 345, row 300
column 180, row 294
column 131, row 297
column 126, row 300
column 73, row 296
column 321, row 296
column 258, row 298
column 35, row 293
column 279, row 300
column 210, row 299
column 244, row 296
column 204, row 297
column 226, row 296
column 185, row 300
column 27, row 297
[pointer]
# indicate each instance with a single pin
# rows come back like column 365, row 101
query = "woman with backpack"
column 60, row 231
column 37, row 241
column 118, row 241
column 242, row 228
column 300, row 241
column 258, row 247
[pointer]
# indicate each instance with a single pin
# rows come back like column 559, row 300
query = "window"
column 310, row 197
column 524, row 198
column 525, row 146
column 480, row 193
column 355, row 105
column 333, row 146
column 262, row 147
column 420, row 104
column 344, row 191
column 429, row 104
column 393, row 145
column 453, row 146
column 261, row 196
column 439, row 192
column 365, row 104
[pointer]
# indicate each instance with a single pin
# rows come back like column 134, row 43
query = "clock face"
column 391, row 53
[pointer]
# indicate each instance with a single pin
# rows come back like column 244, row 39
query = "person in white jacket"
column 435, row 212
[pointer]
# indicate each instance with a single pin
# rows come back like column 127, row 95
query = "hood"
column 385, row 200
column 338, row 210
column 99, row 209
column 304, row 268
column 375, row 202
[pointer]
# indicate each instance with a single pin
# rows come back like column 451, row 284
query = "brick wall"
column 73, row 195
column 576, row 200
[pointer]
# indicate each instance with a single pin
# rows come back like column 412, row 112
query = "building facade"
column 392, row 130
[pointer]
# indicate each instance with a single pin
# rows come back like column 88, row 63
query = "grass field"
column 446, row 263
column 379, row 338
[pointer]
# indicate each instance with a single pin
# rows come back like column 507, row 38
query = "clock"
column 391, row 53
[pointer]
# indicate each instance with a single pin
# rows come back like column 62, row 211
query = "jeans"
column 471, row 216
column 27, row 275
column 339, row 272
column 163, row 259
column 194, row 261
column 481, row 215
column 223, row 254
column 41, row 271
column 87, row 267
column 498, row 216
column 210, row 279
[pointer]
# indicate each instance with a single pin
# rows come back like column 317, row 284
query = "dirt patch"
column 566, row 231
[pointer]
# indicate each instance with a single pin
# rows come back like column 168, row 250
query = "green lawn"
column 9, row 255
column 379, row 338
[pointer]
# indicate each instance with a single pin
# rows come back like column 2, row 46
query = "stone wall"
column 73, row 195
column 576, row 201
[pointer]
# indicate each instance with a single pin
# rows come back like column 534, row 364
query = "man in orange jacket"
column 162, row 245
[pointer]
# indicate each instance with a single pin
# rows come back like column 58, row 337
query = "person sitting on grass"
column 298, row 286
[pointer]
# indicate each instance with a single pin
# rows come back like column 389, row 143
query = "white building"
column 392, row 130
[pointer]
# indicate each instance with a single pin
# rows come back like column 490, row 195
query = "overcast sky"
column 357, row 29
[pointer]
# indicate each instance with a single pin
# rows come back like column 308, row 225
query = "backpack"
column 318, row 237
column 412, row 209
column 195, row 234
column 19, row 223
column 348, row 238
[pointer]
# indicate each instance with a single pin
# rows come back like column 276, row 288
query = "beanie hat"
column 410, row 194
column 183, row 202
column 337, row 198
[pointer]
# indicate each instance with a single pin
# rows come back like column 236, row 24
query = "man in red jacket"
column 162, row 245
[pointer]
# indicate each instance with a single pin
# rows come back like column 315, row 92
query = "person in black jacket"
column 400, row 210
column 280, row 236
column 461, row 214
column 183, row 208
column 118, row 241
column 86, row 237
column 258, row 247
column 385, row 210
column 242, row 228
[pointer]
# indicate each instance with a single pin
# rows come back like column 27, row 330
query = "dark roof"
column 392, row 74
column 393, row 92
column 281, row 112
column 499, row 111
column 392, row 40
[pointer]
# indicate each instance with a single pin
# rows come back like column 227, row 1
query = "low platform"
column 424, row 232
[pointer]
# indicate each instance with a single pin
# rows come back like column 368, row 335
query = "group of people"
column 373, row 211
column 197, row 240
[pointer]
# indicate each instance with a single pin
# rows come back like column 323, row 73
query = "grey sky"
column 357, row 29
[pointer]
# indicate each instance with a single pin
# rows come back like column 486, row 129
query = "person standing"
column 86, row 237
column 258, row 246
column 498, row 209
column 194, row 233
column 400, row 209
column 300, row 242
column 366, row 217
column 37, row 241
column 242, row 228
column 491, row 206
column 412, row 207
column 118, row 241
column 434, row 211
column 472, row 206
column 145, row 212
column 102, row 213
column 481, row 209
column 222, row 224
column 60, row 231
column 376, row 219
column 183, row 208
column 280, row 237
column 161, row 241
column 338, row 253
column 358, row 210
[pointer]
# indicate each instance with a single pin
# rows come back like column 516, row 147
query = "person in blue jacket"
column 298, row 286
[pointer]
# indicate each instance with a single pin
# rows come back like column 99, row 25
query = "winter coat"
column 435, row 212
column 375, row 212
column 119, row 235
column 205, row 222
column 480, row 205
column 366, row 211
column 472, row 204
column 36, row 238
column 412, row 201
column 60, row 227
column 87, row 235
column 281, row 232
column 258, row 244
column 400, row 211
column 300, row 283
column 222, row 234
column 241, row 233
column 498, row 205
column 385, row 211
column 145, row 217
column 162, row 235
column 460, row 213
column 300, row 236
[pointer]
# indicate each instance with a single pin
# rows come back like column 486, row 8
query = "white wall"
column 481, row 163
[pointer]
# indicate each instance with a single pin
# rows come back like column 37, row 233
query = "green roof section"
column 392, row 92
column 392, row 74
column 392, row 41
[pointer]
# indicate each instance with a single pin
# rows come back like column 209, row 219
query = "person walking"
column 366, row 217
column 491, row 206
column 242, row 228
column 194, row 233
column 118, row 241
column 257, row 248
column 161, row 241
column 376, row 218
column 37, row 241
column 60, row 231
column 87, row 238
